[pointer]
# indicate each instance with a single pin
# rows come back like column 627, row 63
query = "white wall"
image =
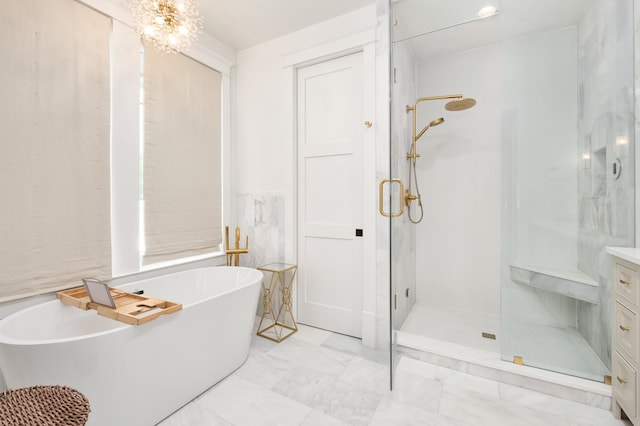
column 458, row 242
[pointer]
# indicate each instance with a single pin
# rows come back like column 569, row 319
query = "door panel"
column 330, row 137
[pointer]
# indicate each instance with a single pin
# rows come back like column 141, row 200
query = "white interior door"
column 330, row 132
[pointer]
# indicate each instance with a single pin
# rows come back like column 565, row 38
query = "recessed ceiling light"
column 487, row 11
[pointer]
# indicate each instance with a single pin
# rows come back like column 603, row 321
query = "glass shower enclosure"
column 519, row 195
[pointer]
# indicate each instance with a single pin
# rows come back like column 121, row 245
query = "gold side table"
column 282, row 277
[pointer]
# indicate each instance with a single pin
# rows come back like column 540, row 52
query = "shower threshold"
column 488, row 364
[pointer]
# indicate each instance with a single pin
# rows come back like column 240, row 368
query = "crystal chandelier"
column 170, row 25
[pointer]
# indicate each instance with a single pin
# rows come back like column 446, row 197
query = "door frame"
column 362, row 41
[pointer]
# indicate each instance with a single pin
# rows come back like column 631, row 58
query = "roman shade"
column 54, row 136
column 182, row 157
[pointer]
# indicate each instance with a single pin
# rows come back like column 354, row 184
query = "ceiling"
column 244, row 23
column 240, row 24
column 435, row 27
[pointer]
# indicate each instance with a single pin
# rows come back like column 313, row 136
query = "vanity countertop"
column 630, row 254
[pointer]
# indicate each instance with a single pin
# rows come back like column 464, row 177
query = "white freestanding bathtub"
column 137, row 375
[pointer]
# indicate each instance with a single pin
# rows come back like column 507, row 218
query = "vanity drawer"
column 626, row 282
column 626, row 330
column 624, row 384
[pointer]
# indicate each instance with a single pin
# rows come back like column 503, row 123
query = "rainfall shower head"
column 460, row 104
column 434, row 123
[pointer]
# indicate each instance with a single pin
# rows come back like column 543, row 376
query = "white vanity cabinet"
column 624, row 359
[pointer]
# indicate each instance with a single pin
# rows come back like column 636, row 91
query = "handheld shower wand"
column 413, row 176
column 434, row 123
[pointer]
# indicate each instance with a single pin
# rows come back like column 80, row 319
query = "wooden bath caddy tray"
column 130, row 308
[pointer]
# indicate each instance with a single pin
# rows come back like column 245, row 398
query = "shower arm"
column 432, row 98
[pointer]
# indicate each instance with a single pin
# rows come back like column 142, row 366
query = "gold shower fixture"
column 233, row 254
column 458, row 103
column 414, row 154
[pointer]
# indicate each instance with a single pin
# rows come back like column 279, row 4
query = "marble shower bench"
column 572, row 283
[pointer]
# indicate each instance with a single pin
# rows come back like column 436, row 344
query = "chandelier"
column 170, row 25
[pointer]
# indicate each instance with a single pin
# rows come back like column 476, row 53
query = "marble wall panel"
column 606, row 134
column 261, row 217
column 403, row 235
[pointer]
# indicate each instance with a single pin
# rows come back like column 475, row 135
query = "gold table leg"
column 285, row 312
column 267, row 310
column 276, row 325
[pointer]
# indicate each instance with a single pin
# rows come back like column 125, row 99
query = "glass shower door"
column 427, row 127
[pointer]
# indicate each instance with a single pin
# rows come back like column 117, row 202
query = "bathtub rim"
column 34, row 342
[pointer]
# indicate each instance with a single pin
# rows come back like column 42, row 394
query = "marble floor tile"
column 448, row 376
column 312, row 335
column 577, row 413
column 329, row 395
column 264, row 369
column 354, row 406
column 317, row 378
column 349, row 345
column 242, row 402
column 414, row 390
column 260, row 344
column 365, row 374
column 316, row 418
column 476, row 409
column 195, row 414
column 390, row 412
column 313, row 357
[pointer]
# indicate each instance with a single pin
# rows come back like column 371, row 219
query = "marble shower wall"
column 403, row 234
column 606, row 204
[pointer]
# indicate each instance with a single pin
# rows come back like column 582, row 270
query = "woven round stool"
column 43, row 405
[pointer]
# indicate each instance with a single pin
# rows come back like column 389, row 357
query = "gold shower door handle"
column 623, row 328
column 381, row 197
column 621, row 380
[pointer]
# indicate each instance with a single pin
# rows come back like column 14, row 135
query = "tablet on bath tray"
column 99, row 292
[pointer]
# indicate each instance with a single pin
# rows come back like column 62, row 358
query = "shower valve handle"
column 410, row 198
